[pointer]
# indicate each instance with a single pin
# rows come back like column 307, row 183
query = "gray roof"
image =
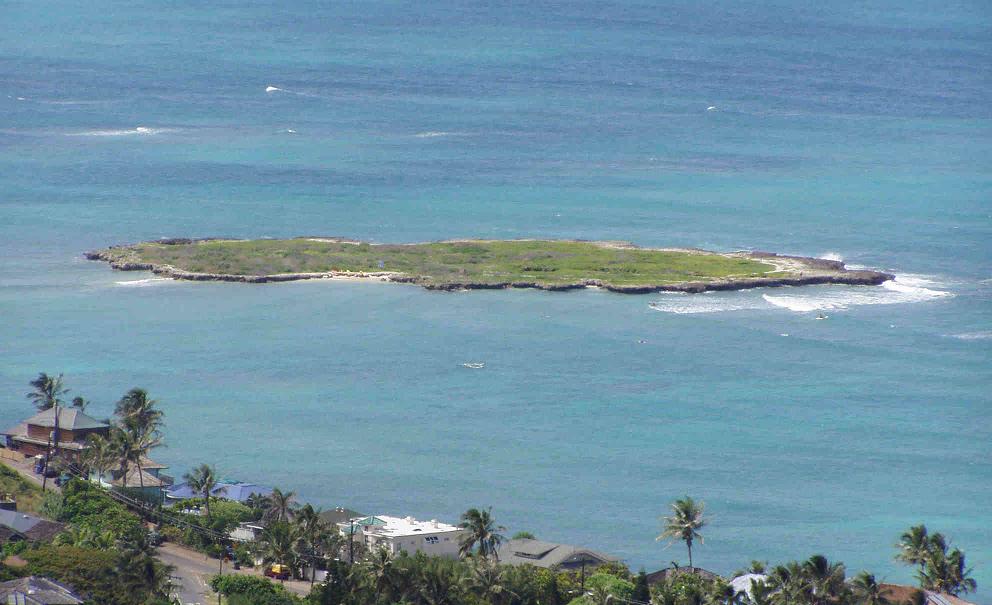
column 34, row 590
column 339, row 515
column 548, row 554
column 29, row 526
column 664, row 574
column 70, row 419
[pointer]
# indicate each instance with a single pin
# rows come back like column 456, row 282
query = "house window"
column 431, row 539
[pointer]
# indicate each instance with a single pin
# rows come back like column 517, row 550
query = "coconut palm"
column 914, row 546
column 276, row 544
column 686, row 520
column 486, row 579
column 48, row 391
column 825, row 579
column 868, row 591
column 482, row 531
column 99, row 455
column 144, row 438
column 137, row 411
column 315, row 538
column 122, row 444
column 280, row 506
column 86, row 537
column 380, row 575
column 202, row 480
column 946, row 571
column 438, row 581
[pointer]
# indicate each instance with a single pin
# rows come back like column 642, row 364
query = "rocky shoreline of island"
column 789, row 271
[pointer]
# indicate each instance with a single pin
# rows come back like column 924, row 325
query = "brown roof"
column 70, row 419
column 18, row 525
column 133, row 480
column 901, row 594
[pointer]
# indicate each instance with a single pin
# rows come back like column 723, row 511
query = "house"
column 236, row 491
column 36, row 435
column 339, row 515
column 17, row 526
column 898, row 593
column 539, row 553
column 34, row 590
column 407, row 534
column 663, row 575
column 746, row 582
column 149, row 484
column 247, row 531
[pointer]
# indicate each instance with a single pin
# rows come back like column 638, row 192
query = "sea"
column 845, row 130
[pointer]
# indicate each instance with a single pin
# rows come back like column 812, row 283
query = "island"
column 480, row 264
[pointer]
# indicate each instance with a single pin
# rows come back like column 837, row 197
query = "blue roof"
column 238, row 492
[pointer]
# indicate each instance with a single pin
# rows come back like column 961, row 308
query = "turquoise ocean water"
column 826, row 129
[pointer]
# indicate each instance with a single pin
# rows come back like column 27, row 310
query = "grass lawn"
column 27, row 494
column 545, row 262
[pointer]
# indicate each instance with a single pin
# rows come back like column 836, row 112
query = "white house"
column 397, row 534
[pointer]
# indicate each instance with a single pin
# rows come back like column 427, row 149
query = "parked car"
column 278, row 572
column 154, row 538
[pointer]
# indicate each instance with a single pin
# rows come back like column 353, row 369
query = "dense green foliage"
column 485, row 262
column 85, row 505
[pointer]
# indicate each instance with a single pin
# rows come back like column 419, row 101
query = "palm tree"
column 380, row 575
column 868, row 591
column 122, row 444
column 137, row 411
column 315, row 538
column 946, row 572
column 48, row 391
column 144, row 439
column 79, row 402
column 275, row 545
column 914, row 546
column 686, row 520
column 202, row 480
column 482, row 530
column 825, row 579
column 280, row 506
column 99, row 455
column 486, row 580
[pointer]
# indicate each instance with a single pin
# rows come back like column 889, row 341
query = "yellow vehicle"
column 277, row 571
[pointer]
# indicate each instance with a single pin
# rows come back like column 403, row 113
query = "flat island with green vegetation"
column 480, row 264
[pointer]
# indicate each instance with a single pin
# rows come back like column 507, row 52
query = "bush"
column 86, row 505
column 252, row 590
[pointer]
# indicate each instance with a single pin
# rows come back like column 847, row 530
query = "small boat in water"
column 478, row 365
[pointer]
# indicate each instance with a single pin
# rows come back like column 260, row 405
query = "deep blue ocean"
column 841, row 129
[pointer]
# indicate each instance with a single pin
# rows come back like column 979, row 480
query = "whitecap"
column 272, row 89
column 139, row 130
column 430, row 134
column 711, row 108
column 835, row 256
column 142, row 283
column 902, row 290
column 983, row 335
column 691, row 304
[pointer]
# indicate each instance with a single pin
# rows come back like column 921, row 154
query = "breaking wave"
column 903, row 289
column 140, row 130
column 143, row 283
column 430, row 134
column 983, row 335
column 832, row 256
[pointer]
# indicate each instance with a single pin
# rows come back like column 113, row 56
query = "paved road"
column 193, row 570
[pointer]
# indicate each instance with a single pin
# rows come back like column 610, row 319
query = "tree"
column 143, row 440
column 202, row 480
column 486, row 580
column 914, row 546
column 48, row 391
column 276, row 543
column 523, row 535
column 99, row 455
column 482, row 531
column 137, row 410
column 315, row 538
column 280, row 506
column 79, row 402
column 946, row 572
column 868, row 591
column 642, row 591
column 686, row 520
column 122, row 443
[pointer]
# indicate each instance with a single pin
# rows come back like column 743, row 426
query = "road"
column 193, row 570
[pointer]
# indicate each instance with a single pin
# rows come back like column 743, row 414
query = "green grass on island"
column 27, row 494
column 544, row 262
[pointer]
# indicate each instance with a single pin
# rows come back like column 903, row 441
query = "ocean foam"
column 143, row 283
column 832, row 256
column 902, row 290
column 691, row 304
column 983, row 335
column 272, row 89
column 430, row 134
column 139, row 130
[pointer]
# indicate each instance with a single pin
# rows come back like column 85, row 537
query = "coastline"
column 802, row 271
